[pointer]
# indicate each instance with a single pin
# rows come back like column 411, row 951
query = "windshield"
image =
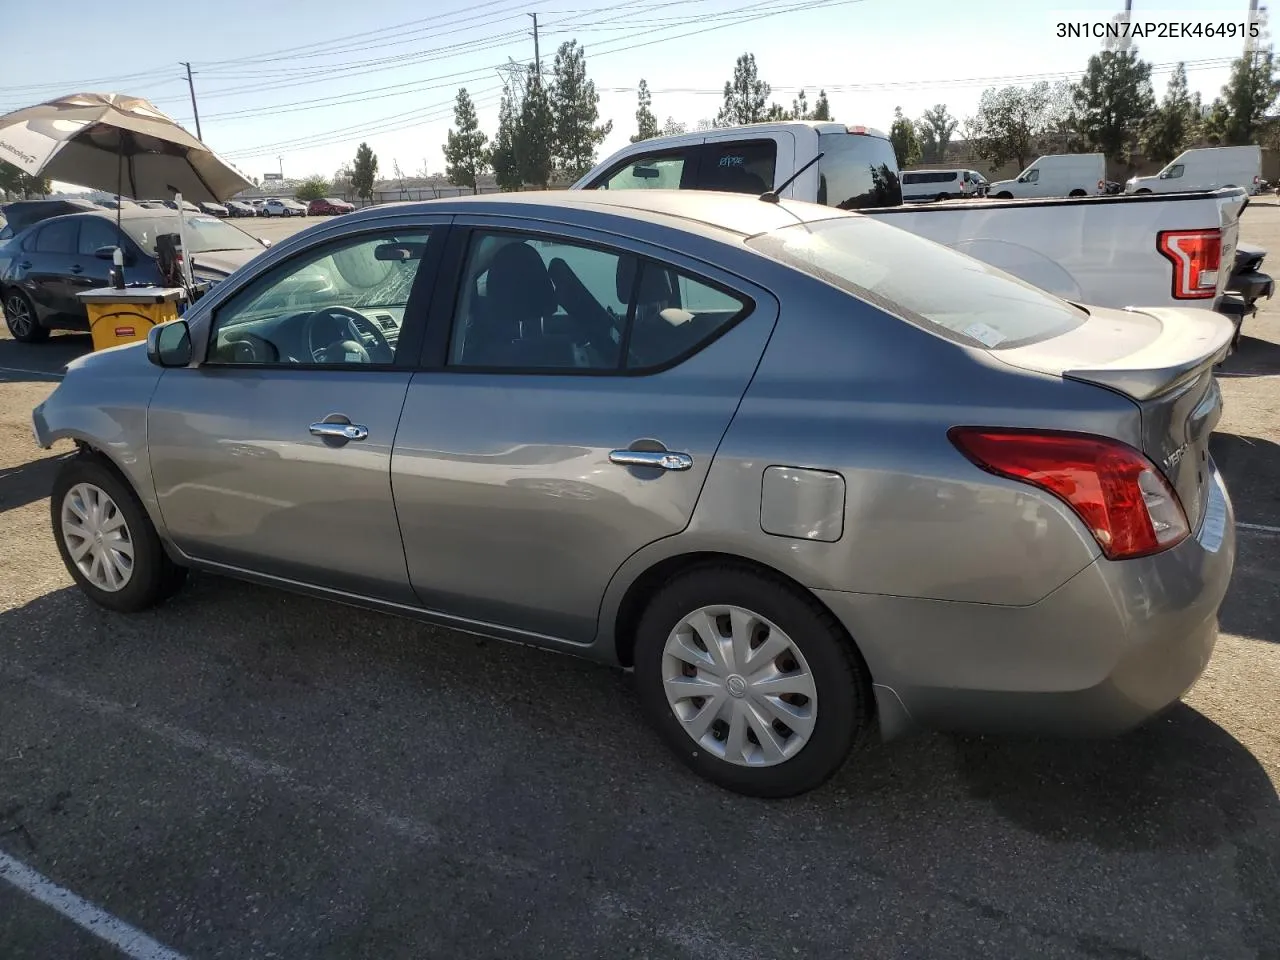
column 204, row 234
column 923, row 282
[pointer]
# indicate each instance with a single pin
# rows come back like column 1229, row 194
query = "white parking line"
column 1257, row 527
column 133, row 943
column 38, row 373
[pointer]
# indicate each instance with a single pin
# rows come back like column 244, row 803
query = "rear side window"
column 857, row 171
column 964, row 298
column 739, row 166
column 58, row 237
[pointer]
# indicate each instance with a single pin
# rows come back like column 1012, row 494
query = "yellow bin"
column 126, row 316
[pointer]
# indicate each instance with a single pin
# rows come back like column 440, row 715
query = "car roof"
column 695, row 210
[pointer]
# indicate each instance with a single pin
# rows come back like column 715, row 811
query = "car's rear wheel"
column 1077, row 193
column 20, row 318
column 107, row 541
column 1004, row 195
column 750, row 681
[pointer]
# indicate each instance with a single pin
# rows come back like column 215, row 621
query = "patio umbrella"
column 109, row 141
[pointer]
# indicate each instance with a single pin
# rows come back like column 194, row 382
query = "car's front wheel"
column 107, row 541
column 750, row 681
column 20, row 318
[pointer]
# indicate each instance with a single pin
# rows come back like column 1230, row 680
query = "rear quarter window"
column 922, row 282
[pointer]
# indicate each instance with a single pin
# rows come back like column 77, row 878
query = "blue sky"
column 308, row 83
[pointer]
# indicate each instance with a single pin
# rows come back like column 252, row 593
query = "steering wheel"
column 350, row 344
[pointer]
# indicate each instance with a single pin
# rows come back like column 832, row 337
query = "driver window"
column 343, row 303
column 1175, row 171
column 1033, row 176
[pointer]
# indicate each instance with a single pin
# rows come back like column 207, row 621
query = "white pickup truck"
column 1112, row 251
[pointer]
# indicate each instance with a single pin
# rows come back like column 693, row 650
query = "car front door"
column 272, row 454
column 567, row 414
column 50, row 275
column 87, row 270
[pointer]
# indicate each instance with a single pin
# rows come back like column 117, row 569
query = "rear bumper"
column 1110, row 648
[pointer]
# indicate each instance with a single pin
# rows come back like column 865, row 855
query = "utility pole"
column 537, row 57
column 192, row 87
column 280, row 160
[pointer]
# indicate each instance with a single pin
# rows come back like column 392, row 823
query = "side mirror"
column 109, row 253
column 169, row 344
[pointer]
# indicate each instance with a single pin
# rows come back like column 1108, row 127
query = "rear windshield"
column 857, row 171
column 204, row 234
column 922, row 282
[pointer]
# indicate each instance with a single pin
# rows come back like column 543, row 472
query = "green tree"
column 312, row 188
column 821, row 108
column 13, row 181
column 1239, row 114
column 506, row 165
column 646, row 122
column 776, row 112
column 746, row 96
column 935, row 129
column 364, row 172
column 902, row 134
column 1171, row 125
column 1113, row 101
column 800, row 107
column 466, row 151
column 1009, row 123
column 535, row 133
column 575, row 109
column 673, row 128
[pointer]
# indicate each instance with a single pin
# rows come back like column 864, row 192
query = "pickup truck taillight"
column 1118, row 493
column 1196, row 256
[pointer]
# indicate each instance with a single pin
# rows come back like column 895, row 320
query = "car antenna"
column 771, row 196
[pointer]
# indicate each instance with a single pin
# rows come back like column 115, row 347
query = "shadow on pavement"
column 41, row 362
column 1251, row 468
column 28, row 482
column 1253, row 357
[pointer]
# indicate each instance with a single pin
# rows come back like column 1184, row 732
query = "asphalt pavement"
column 251, row 774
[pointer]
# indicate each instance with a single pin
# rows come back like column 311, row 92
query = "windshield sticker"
column 986, row 335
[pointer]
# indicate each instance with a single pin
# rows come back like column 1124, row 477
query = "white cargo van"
column 1057, row 175
column 1208, row 168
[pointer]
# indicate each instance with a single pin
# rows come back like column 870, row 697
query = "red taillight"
column 861, row 130
column 1196, row 256
column 1116, row 491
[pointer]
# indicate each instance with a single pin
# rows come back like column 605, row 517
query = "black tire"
column 1077, row 193
column 154, row 577
column 1004, row 195
column 1139, row 193
column 843, row 685
column 940, row 197
column 18, row 305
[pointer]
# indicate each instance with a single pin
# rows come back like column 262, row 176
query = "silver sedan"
column 811, row 476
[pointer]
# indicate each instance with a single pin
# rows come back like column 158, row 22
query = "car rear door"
column 51, row 272
column 87, row 271
column 572, row 397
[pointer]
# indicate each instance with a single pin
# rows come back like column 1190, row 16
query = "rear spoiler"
column 1190, row 341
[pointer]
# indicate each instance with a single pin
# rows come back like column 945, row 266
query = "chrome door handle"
column 340, row 431
column 663, row 459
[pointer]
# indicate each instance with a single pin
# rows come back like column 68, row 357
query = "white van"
column 921, row 186
column 1208, row 168
column 1057, row 175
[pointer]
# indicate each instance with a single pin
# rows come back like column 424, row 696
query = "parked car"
column 20, row 214
column 240, row 208
column 1206, row 168
column 1173, row 247
column 1058, row 175
column 214, row 209
column 810, row 497
column 283, row 208
column 921, row 186
column 111, row 203
column 45, row 266
column 328, row 206
column 155, row 204
column 187, row 205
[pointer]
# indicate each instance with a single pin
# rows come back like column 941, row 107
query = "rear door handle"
column 340, row 431
column 663, row 459
column 25, row 264
column 77, row 269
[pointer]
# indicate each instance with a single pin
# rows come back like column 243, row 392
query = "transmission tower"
column 1255, row 45
column 514, row 76
column 1121, row 42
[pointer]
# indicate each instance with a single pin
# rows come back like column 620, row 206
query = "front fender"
column 102, row 404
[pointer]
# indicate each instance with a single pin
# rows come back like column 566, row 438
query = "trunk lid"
column 1160, row 358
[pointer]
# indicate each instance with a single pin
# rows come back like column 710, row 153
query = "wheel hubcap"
column 97, row 537
column 739, row 686
column 18, row 315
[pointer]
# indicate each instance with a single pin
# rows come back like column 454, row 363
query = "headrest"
column 655, row 282
column 518, row 283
